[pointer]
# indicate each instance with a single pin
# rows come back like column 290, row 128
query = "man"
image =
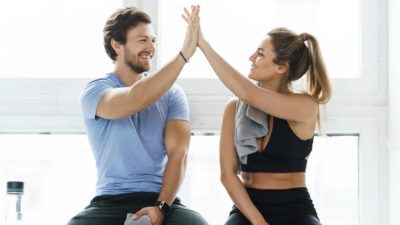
column 138, row 127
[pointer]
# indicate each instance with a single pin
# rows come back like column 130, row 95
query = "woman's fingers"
column 194, row 16
column 191, row 16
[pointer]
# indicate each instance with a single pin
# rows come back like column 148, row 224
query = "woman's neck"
column 278, row 86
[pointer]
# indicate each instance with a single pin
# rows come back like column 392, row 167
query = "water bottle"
column 13, row 207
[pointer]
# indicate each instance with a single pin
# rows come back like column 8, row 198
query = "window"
column 332, row 178
column 54, row 39
column 245, row 25
column 57, row 168
column 333, row 189
column 54, row 168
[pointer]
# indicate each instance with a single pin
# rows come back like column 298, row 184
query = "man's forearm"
column 150, row 89
column 173, row 176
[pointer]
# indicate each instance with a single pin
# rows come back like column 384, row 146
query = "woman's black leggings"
column 279, row 207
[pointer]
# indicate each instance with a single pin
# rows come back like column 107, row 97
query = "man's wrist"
column 163, row 207
column 183, row 57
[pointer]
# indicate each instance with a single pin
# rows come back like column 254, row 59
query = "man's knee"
column 183, row 216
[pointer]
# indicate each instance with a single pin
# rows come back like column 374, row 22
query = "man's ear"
column 116, row 46
column 283, row 68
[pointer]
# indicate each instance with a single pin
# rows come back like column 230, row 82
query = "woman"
column 271, row 187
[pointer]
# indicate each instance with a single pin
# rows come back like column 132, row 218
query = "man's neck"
column 126, row 75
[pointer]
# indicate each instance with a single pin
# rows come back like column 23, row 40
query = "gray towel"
column 143, row 220
column 251, row 123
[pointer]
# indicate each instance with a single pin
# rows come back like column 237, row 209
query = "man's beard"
column 137, row 68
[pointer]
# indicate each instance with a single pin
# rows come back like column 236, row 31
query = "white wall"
column 393, row 144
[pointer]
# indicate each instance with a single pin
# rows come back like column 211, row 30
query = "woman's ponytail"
column 318, row 84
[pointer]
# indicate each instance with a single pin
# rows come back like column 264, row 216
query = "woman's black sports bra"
column 284, row 153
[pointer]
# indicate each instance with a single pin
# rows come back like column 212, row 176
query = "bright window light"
column 63, row 39
column 54, row 39
column 235, row 28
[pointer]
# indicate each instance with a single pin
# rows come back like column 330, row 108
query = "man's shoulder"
column 176, row 89
column 107, row 79
column 95, row 88
column 174, row 93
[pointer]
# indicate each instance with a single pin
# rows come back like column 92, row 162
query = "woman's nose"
column 252, row 57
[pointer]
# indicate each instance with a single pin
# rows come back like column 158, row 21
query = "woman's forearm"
column 232, row 79
column 242, row 200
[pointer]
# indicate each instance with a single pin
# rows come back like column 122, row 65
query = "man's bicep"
column 177, row 136
column 118, row 103
column 111, row 104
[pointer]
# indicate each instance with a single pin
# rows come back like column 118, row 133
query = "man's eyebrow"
column 147, row 36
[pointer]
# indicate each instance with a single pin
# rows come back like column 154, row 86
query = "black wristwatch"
column 163, row 206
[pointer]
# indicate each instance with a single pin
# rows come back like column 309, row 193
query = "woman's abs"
column 273, row 180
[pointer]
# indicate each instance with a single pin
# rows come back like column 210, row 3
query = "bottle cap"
column 15, row 187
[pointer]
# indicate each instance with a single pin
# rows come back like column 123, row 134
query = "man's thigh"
column 102, row 216
column 181, row 215
column 237, row 218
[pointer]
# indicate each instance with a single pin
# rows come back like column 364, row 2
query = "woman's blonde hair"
column 302, row 54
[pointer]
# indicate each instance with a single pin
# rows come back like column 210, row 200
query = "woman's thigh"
column 307, row 220
column 237, row 218
column 291, row 220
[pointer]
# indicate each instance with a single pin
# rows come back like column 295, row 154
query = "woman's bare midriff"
column 273, row 180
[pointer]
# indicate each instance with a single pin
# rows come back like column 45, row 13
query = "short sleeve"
column 91, row 95
column 178, row 108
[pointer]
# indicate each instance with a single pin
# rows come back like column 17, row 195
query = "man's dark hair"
column 118, row 25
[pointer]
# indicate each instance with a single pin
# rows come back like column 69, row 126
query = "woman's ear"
column 283, row 68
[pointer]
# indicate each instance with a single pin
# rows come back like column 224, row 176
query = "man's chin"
column 145, row 67
column 140, row 69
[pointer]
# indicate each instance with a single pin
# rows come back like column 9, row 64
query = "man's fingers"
column 184, row 17
column 139, row 213
column 186, row 12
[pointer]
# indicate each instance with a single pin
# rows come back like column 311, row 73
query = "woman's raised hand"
column 192, row 31
column 200, row 39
